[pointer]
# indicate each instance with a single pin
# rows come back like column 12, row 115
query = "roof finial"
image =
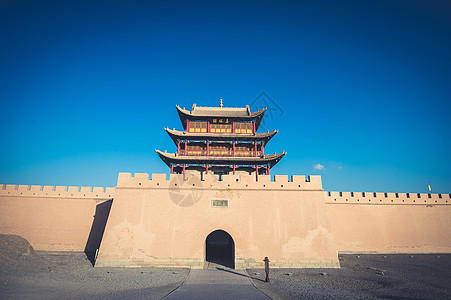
column 220, row 103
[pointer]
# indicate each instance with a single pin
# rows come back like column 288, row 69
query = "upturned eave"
column 185, row 115
column 172, row 158
column 183, row 135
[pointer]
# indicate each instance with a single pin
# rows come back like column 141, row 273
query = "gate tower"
column 221, row 140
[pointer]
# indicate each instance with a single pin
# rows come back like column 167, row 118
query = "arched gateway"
column 220, row 249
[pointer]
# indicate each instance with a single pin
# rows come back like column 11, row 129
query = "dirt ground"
column 29, row 274
column 363, row 276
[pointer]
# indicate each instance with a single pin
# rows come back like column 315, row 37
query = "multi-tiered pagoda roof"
column 221, row 140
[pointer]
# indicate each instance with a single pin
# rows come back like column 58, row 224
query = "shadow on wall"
column 97, row 230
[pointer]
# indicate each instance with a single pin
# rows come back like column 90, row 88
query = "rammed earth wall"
column 160, row 222
column 53, row 218
column 390, row 222
column 164, row 222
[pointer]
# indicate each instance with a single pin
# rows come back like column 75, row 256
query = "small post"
column 266, row 260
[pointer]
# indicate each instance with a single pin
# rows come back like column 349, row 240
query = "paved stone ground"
column 218, row 283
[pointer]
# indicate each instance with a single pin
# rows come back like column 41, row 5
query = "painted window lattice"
column 243, row 127
column 221, row 128
column 198, row 127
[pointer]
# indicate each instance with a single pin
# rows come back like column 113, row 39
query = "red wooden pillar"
column 256, row 173
column 255, row 148
column 186, row 148
column 178, row 147
column 233, row 127
column 263, row 149
column 184, row 166
column 172, row 169
column 206, row 169
column 208, row 126
column 233, row 169
column 187, row 126
column 233, row 147
column 267, row 170
column 208, row 148
column 253, row 127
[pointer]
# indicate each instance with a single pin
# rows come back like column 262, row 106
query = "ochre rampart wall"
column 292, row 219
column 52, row 218
column 161, row 222
column 390, row 222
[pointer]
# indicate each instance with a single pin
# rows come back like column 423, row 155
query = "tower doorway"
column 220, row 249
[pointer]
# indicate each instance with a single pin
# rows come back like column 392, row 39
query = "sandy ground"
column 364, row 276
column 26, row 274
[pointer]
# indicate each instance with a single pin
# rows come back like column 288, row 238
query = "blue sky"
column 359, row 90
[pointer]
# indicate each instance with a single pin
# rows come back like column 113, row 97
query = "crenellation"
column 158, row 177
column 123, row 178
column 86, row 190
column 281, row 178
column 142, row 177
column 247, row 179
column 264, row 178
column 23, row 188
column 298, row 179
column 11, row 187
column 56, row 191
column 36, row 188
column 49, row 188
column 176, row 178
column 386, row 198
column 231, row 178
column 98, row 190
column 62, row 189
column 73, row 189
column 209, row 179
column 109, row 191
column 240, row 181
column 315, row 181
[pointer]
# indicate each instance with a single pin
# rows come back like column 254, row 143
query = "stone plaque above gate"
column 219, row 203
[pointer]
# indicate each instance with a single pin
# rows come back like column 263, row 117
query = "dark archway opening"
column 220, row 249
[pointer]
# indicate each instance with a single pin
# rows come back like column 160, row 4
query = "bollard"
column 266, row 260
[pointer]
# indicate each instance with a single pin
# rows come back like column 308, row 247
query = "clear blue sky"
column 360, row 90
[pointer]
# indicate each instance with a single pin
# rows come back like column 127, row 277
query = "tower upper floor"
column 235, row 120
